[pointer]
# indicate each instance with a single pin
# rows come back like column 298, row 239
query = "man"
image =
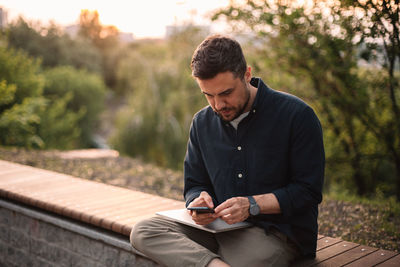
column 253, row 154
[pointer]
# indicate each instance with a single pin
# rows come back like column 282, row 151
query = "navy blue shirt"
column 277, row 148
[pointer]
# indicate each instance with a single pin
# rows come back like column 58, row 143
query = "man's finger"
column 207, row 199
column 225, row 205
column 202, row 219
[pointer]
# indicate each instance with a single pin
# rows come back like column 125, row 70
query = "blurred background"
column 116, row 74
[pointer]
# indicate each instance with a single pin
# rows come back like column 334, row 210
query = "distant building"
column 3, row 18
column 124, row 37
column 172, row 30
column 72, row 30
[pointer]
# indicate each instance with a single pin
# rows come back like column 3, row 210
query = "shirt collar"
column 261, row 92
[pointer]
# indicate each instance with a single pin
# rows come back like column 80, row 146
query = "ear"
column 247, row 75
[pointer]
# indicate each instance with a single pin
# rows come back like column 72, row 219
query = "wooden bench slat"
column 348, row 256
column 373, row 259
column 7, row 169
column 326, row 242
column 20, row 176
column 334, row 250
column 328, row 251
column 395, row 262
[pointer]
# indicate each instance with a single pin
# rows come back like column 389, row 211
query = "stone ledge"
column 32, row 237
column 89, row 231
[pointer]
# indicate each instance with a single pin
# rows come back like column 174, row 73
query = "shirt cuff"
column 190, row 197
column 284, row 202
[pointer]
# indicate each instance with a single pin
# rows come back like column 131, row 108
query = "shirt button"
column 240, row 175
column 239, row 148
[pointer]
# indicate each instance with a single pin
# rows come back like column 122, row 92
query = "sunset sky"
column 142, row 18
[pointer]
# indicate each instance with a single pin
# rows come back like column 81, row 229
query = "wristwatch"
column 254, row 209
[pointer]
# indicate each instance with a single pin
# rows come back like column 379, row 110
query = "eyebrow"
column 227, row 91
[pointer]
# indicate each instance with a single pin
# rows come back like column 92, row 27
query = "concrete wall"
column 31, row 237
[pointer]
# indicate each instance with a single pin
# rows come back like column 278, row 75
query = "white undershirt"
column 236, row 121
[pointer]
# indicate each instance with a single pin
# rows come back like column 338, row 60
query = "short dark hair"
column 217, row 54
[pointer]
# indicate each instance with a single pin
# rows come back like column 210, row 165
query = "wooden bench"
column 118, row 209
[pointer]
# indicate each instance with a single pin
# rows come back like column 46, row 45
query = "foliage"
column 105, row 39
column 91, row 28
column 20, row 99
column 82, row 95
column 96, row 48
column 52, row 46
column 59, row 126
column 55, row 109
column 162, row 99
column 17, row 124
column 317, row 43
column 57, row 50
column 16, row 68
column 378, row 25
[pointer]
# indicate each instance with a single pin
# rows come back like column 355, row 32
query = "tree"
column 80, row 93
column 378, row 27
column 55, row 109
column 52, row 46
column 318, row 44
column 21, row 99
column 105, row 38
column 161, row 100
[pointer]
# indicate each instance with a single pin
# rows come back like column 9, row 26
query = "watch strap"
column 252, row 200
column 254, row 209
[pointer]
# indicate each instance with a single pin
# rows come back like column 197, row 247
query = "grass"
column 372, row 222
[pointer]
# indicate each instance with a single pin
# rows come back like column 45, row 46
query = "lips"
column 225, row 112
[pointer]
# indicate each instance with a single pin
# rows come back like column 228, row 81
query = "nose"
column 219, row 103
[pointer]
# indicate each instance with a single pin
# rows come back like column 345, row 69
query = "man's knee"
column 139, row 234
column 151, row 232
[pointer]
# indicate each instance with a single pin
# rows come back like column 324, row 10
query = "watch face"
column 254, row 210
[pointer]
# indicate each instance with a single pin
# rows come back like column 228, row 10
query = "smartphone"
column 202, row 209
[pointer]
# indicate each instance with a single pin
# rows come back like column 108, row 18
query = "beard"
column 238, row 110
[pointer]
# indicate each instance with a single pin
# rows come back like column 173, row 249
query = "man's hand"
column 233, row 210
column 204, row 200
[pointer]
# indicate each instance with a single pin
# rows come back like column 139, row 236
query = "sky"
column 143, row 18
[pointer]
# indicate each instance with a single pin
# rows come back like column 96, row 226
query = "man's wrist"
column 254, row 208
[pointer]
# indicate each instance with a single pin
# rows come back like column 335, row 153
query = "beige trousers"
column 174, row 244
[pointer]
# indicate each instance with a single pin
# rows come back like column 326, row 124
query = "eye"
column 227, row 92
column 207, row 95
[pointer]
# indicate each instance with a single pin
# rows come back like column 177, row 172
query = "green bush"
column 59, row 126
column 55, row 109
column 81, row 93
column 21, row 99
column 53, row 47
